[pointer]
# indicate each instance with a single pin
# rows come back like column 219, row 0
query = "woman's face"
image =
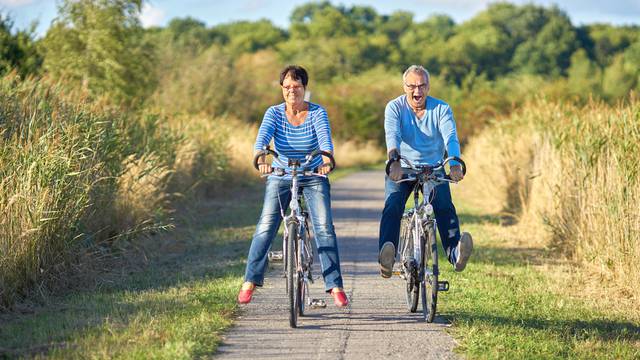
column 292, row 90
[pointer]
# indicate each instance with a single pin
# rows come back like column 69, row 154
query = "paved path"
column 375, row 326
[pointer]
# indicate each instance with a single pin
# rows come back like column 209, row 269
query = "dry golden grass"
column 568, row 177
column 142, row 199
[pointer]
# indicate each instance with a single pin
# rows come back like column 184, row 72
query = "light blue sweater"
column 423, row 141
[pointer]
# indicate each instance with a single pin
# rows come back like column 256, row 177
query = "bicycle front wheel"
column 429, row 281
column 405, row 250
column 292, row 274
column 303, row 291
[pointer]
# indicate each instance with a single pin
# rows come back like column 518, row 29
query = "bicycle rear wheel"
column 429, row 280
column 405, row 250
column 292, row 272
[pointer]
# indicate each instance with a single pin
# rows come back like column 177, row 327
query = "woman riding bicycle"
column 298, row 128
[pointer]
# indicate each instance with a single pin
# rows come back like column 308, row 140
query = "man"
column 420, row 128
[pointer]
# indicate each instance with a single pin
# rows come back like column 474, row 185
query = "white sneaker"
column 386, row 259
column 465, row 246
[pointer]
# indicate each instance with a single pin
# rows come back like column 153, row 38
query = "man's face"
column 417, row 89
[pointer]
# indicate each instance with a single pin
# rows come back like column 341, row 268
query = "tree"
column 549, row 52
column 97, row 45
column 248, row 36
column 420, row 43
column 18, row 51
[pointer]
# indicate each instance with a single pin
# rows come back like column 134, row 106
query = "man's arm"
column 447, row 125
column 393, row 138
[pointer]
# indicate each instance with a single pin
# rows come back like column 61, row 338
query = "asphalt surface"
column 376, row 325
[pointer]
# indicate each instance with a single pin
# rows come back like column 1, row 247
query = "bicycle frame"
column 298, row 216
column 422, row 217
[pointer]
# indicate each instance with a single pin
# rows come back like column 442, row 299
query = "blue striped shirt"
column 295, row 142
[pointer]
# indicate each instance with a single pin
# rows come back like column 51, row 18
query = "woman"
column 298, row 128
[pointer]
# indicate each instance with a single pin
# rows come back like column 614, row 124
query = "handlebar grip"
column 325, row 153
column 388, row 166
column 457, row 159
column 265, row 151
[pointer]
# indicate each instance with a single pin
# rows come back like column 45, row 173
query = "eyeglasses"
column 412, row 87
column 292, row 87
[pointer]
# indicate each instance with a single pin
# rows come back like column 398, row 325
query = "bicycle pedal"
column 443, row 286
column 275, row 256
column 317, row 303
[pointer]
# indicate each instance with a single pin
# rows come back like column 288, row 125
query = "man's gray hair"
column 418, row 69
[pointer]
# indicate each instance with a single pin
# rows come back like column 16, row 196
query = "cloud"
column 150, row 15
column 16, row 3
column 253, row 5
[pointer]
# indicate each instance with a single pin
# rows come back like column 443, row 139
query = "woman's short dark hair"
column 296, row 72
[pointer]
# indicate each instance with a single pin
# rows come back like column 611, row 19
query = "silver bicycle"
column 297, row 248
column 418, row 248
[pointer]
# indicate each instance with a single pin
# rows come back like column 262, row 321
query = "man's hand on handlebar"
column 456, row 173
column 395, row 171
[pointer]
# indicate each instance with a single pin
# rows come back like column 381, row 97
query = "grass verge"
column 174, row 307
column 516, row 301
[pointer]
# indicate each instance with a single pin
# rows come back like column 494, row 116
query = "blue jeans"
column 396, row 196
column 317, row 197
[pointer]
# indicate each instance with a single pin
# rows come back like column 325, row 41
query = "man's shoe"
column 465, row 246
column 339, row 297
column 386, row 259
column 246, row 292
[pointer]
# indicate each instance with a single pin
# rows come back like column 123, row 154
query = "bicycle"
column 418, row 245
column 297, row 248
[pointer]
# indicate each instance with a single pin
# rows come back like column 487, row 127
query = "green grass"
column 511, row 303
column 176, row 307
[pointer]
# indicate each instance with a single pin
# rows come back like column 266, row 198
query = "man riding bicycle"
column 421, row 128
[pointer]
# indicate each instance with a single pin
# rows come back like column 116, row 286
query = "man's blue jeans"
column 396, row 196
column 317, row 197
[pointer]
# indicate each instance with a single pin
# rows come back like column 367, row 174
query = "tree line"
column 100, row 46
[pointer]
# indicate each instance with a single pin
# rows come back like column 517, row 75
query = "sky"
column 213, row 12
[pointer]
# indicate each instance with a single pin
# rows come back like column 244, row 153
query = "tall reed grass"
column 570, row 176
column 77, row 175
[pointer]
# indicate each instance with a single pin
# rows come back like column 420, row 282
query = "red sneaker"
column 339, row 297
column 244, row 296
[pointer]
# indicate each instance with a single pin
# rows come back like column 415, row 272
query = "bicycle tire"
column 429, row 280
column 411, row 289
column 292, row 283
column 302, row 284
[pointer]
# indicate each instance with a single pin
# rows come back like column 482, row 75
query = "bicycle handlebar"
column 267, row 151
column 429, row 169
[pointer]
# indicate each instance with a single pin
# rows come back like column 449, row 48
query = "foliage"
column 18, row 50
column 97, row 44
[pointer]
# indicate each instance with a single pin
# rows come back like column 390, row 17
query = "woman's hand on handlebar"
column 263, row 166
column 325, row 168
